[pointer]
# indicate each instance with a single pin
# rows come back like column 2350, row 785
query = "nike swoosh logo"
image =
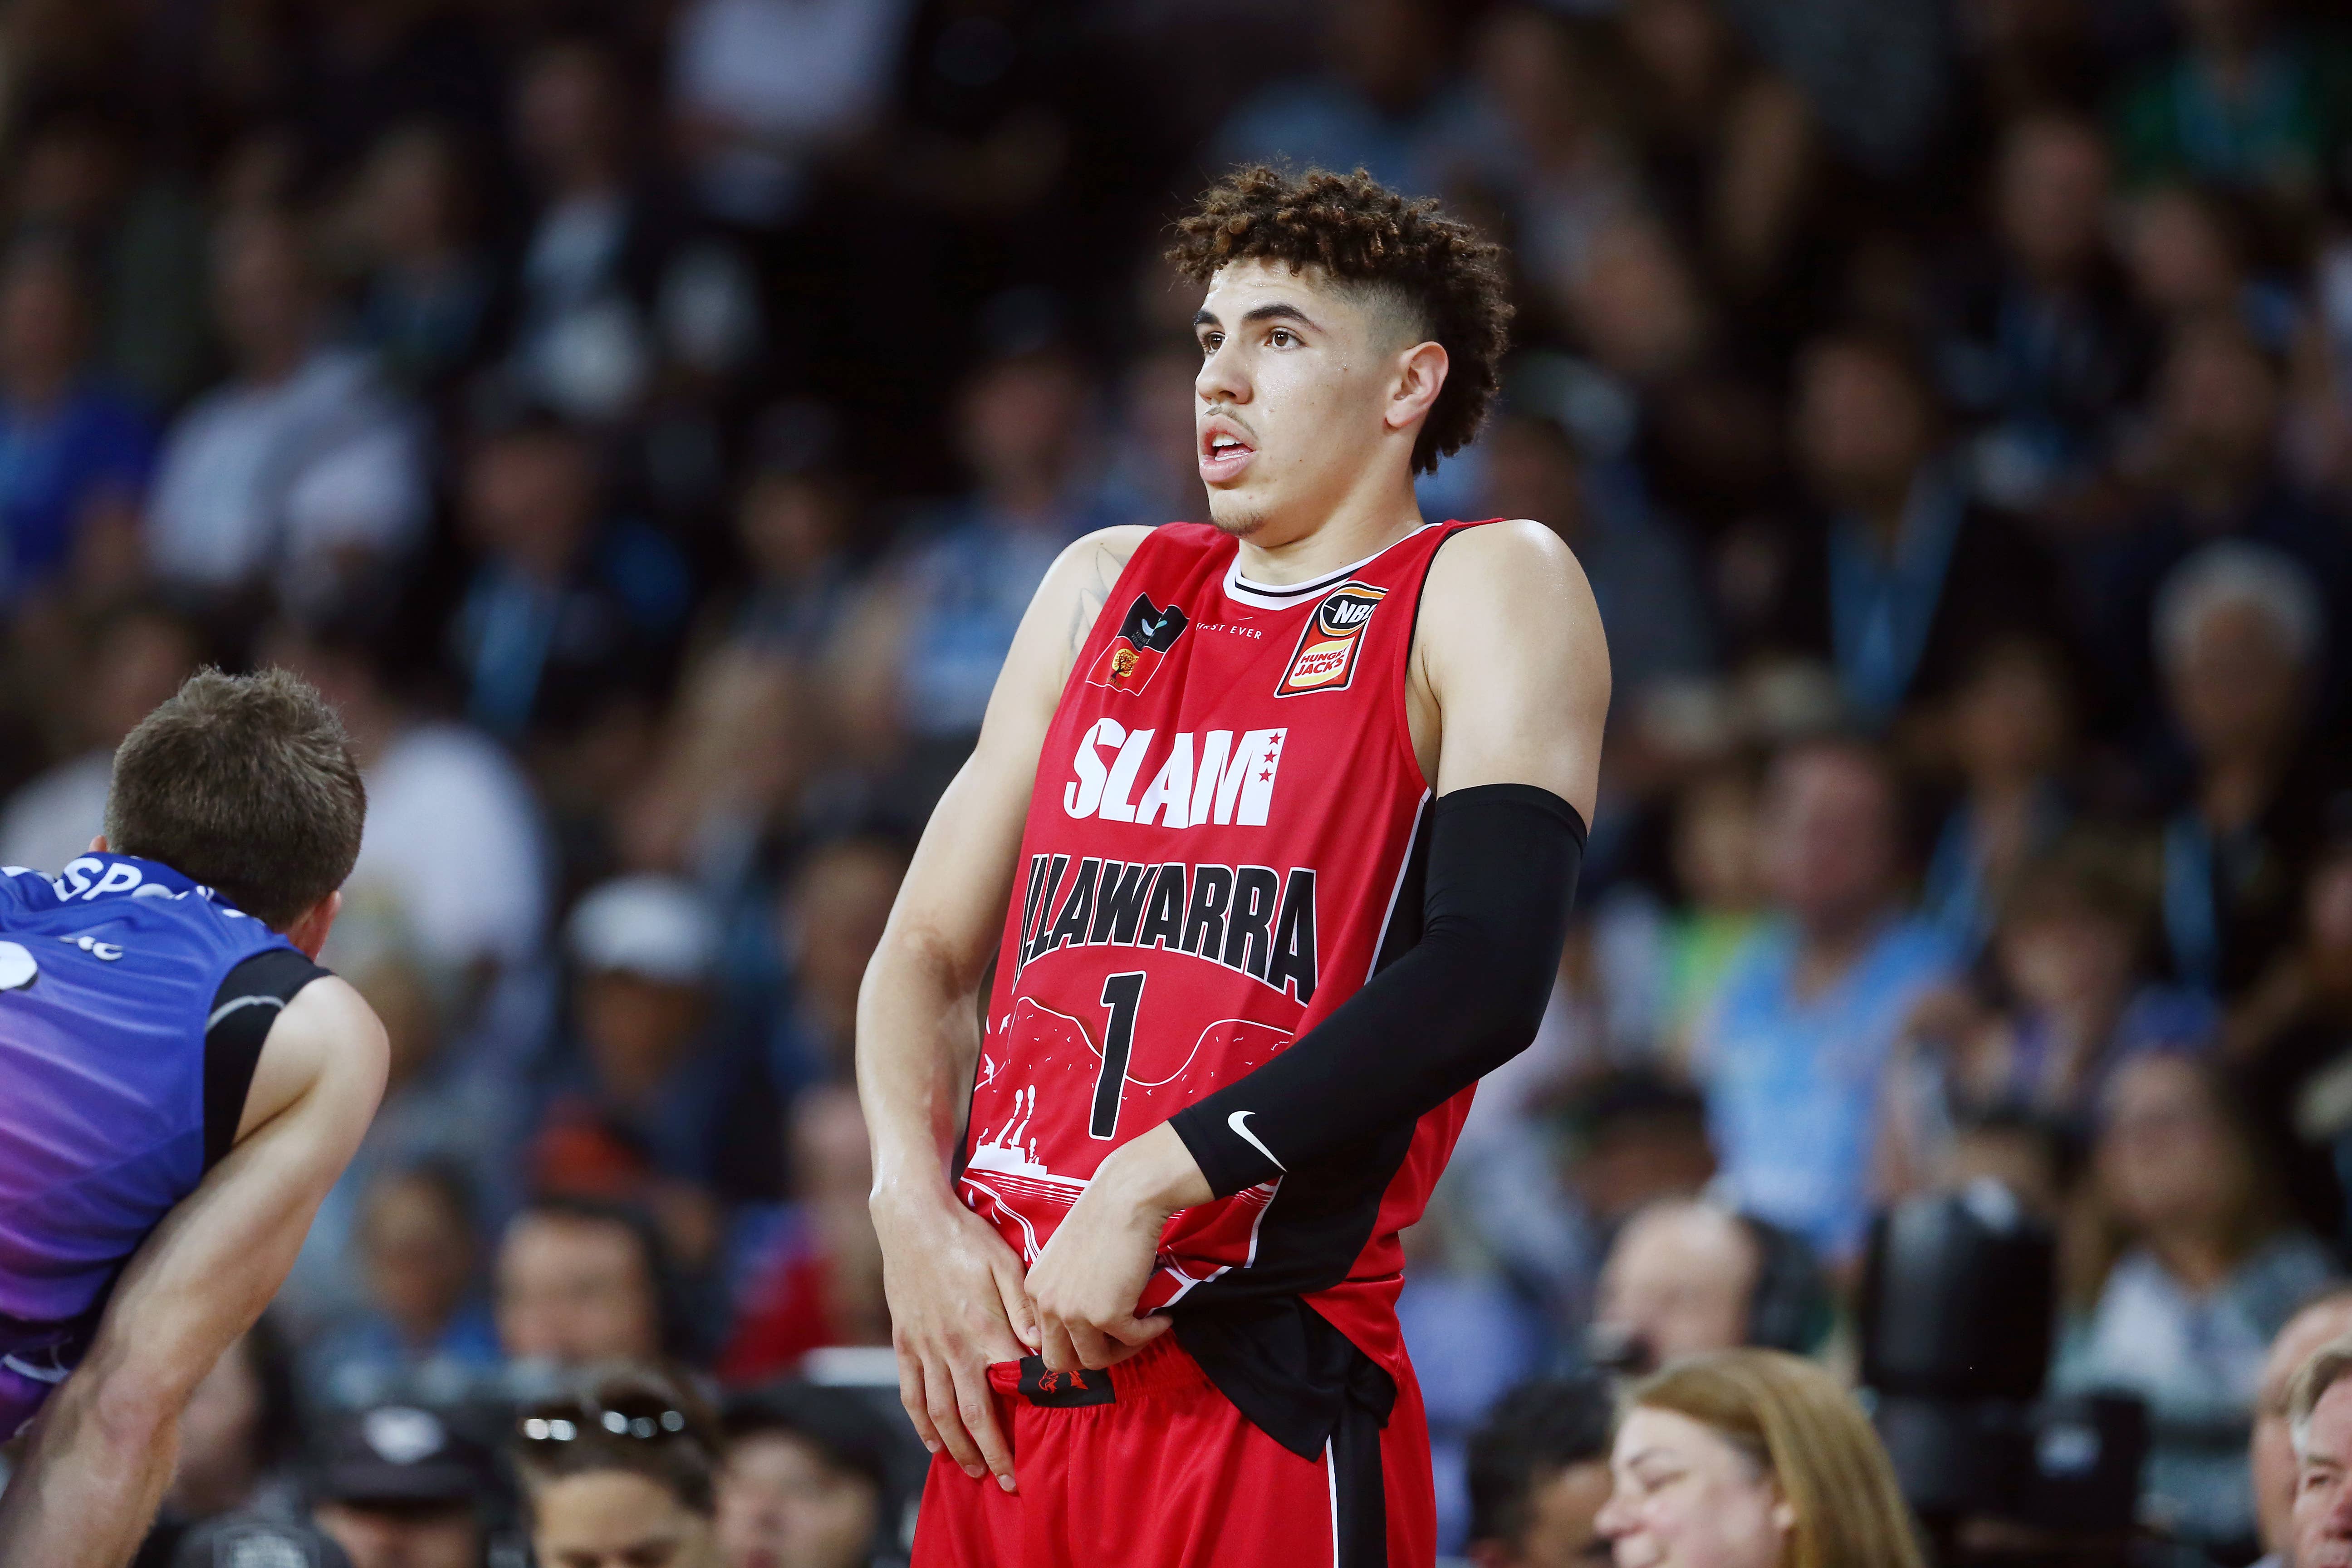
column 1250, row 1138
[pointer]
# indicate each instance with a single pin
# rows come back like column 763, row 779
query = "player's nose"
column 1222, row 379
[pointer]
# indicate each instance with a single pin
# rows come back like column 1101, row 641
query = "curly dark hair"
column 1437, row 269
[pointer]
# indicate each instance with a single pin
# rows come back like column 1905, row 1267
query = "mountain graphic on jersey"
column 1007, row 1182
column 1143, row 640
column 1326, row 657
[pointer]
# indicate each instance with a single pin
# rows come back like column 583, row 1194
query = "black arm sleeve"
column 248, row 1003
column 1465, row 999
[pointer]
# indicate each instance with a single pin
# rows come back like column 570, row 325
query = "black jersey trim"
column 237, row 1026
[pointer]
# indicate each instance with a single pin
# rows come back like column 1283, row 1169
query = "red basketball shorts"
column 1147, row 1466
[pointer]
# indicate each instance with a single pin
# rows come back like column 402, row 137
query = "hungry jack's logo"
column 1326, row 657
column 1143, row 640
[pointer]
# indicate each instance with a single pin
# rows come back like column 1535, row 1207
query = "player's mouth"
column 1224, row 452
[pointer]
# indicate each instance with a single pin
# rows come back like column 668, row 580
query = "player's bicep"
column 213, row 1264
column 1511, row 644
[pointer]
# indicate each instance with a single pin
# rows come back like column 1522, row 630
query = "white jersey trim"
column 1282, row 595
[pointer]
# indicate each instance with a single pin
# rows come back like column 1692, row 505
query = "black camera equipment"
column 1959, row 1297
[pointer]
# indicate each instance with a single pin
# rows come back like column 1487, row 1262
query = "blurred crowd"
column 648, row 421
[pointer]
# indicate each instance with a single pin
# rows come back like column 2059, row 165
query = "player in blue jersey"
column 180, row 1084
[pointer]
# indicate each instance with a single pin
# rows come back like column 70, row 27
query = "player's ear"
column 1420, row 376
column 97, row 845
column 310, row 928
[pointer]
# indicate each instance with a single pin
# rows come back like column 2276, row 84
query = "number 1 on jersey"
column 1120, row 993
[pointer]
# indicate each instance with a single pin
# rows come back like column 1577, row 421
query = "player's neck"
column 1358, row 528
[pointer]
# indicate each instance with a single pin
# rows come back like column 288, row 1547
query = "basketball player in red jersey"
column 1270, row 833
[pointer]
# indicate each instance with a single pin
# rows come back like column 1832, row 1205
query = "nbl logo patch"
column 1326, row 657
column 1143, row 640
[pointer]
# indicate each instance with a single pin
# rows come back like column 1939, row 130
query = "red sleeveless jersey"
column 1225, row 841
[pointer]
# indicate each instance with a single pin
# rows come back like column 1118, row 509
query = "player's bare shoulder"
column 1510, row 672
column 1080, row 583
column 1511, row 584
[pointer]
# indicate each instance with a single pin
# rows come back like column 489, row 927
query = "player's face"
column 1293, row 397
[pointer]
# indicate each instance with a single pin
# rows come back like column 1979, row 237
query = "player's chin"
column 1234, row 516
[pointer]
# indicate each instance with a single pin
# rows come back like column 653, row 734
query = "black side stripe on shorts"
column 245, row 1005
column 1359, row 1492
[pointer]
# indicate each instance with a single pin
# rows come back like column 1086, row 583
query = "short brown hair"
column 246, row 784
column 1440, row 270
column 1793, row 1420
column 666, row 1434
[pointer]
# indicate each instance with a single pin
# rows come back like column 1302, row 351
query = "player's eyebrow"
column 1275, row 311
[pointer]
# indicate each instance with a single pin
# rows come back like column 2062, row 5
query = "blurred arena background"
column 647, row 423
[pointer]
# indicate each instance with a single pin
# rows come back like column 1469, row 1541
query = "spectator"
column 2039, row 341
column 612, row 285
column 398, row 1488
column 301, row 471
column 1379, row 99
column 1814, row 1004
column 958, row 594
column 1640, row 571
column 1638, row 1137
column 2009, row 732
column 1902, row 578
column 82, row 177
column 455, row 841
column 1718, row 869
column 236, row 1538
column 635, row 1490
column 2192, row 1277
column 2240, row 630
column 2071, row 957
column 1748, row 1459
column 651, row 1110
column 793, row 523
column 1538, row 1474
column 75, row 454
column 2289, row 1041
column 2208, row 473
column 561, row 611
column 131, row 658
column 1687, row 1276
column 239, row 1440
column 1726, row 145
column 579, row 1283
column 831, row 913
column 2246, row 103
column 427, row 1331
column 425, row 288
column 817, row 1280
column 2271, row 1457
column 763, row 92
column 806, row 1482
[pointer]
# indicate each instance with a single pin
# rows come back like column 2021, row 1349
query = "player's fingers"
column 1013, row 1290
column 976, row 1404
column 910, row 1395
column 946, row 1416
column 1137, row 1332
column 1092, row 1345
column 1054, row 1345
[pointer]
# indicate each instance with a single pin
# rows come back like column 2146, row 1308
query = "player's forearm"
column 1465, row 999
column 917, row 1041
column 93, row 1473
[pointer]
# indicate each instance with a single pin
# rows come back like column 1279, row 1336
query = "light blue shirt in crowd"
column 1792, row 1083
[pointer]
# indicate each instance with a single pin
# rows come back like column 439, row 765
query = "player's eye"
column 1281, row 337
column 1209, row 342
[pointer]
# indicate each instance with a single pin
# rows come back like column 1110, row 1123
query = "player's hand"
column 1085, row 1285
column 956, row 1305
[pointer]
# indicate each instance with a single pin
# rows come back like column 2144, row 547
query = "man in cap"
column 399, row 1489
